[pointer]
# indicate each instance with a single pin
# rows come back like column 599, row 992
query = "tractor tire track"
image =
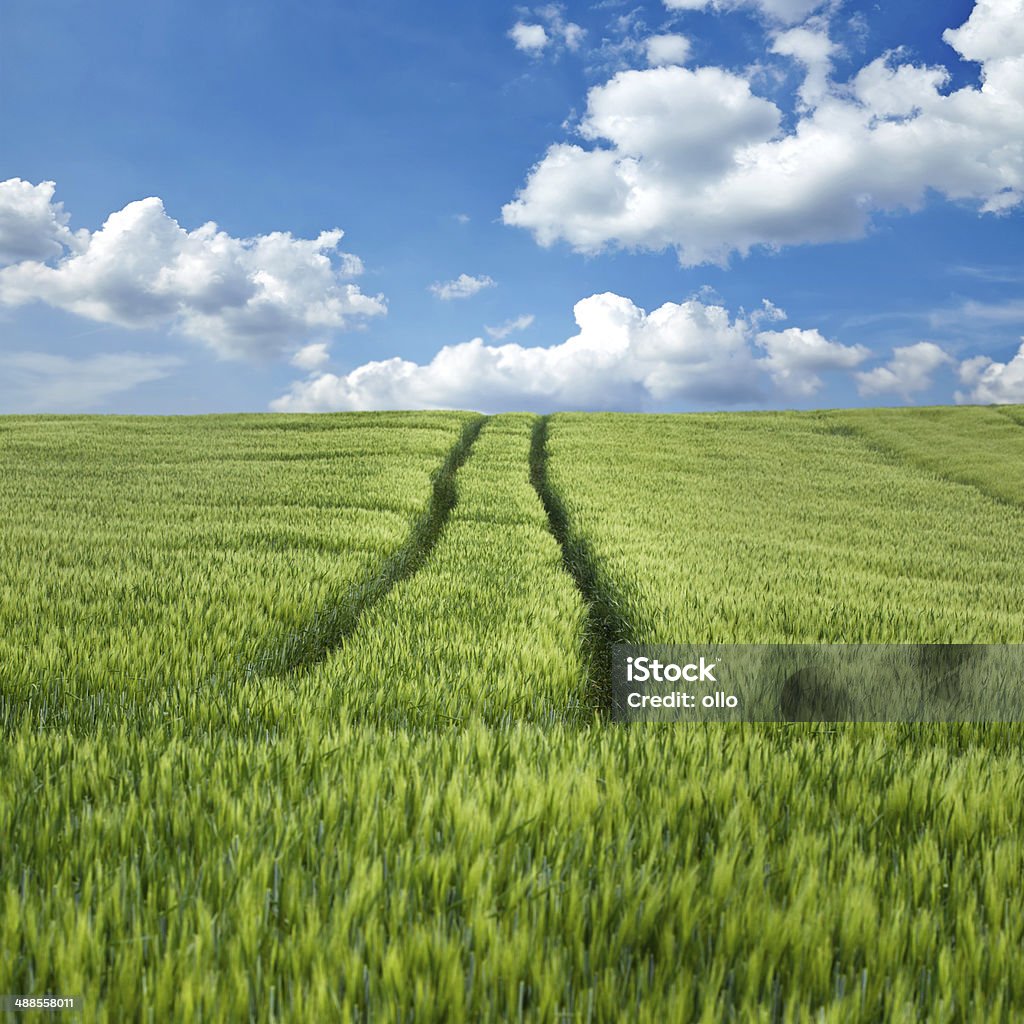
column 331, row 626
column 606, row 624
column 907, row 460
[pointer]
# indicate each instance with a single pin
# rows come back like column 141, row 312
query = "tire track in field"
column 605, row 623
column 329, row 628
column 1014, row 413
column 907, row 460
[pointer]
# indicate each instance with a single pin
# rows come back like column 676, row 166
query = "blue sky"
column 621, row 185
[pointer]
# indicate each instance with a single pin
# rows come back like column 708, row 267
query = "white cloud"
column 568, row 32
column 520, row 323
column 908, row 371
column 693, row 160
column 623, row 44
column 976, row 313
column 573, row 35
column 622, row 358
column 32, row 225
column 768, row 312
column 36, row 382
column 990, row 382
column 994, row 30
column 242, row 297
column 995, row 273
column 786, row 11
column 811, row 47
column 529, row 38
column 311, row 357
column 462, row 287
column 534, row 38
column 795, row 357
column 667, row 49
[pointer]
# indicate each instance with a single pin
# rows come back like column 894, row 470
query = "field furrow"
column 331, row 625
column 156, row 556
column 431, row 822
column 978, row 446
column 490, row 626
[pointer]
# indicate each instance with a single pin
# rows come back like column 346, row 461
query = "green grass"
column 765, row 528
column 976, row 445
column 346, row 872
column 430, row 818
column 144, row 554
column 490, row 627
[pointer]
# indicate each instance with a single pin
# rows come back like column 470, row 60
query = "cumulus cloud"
column 692, row 159
column 568, row 32
column 36, row 382
column 811, row 47
column 785, row 11
column 995, row 30
column 573, row 35
column 520, row 323
column 621, row 358
column 992, row 383
column 768, row 313
column 667, row 49
column 462, row 287
column 550, row 30
column 242, row 297
column 908, row 371
column 529, row 38
column 32, row 225
column 311, row 357
column 795, row 357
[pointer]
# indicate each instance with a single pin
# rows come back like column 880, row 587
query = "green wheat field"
column 306, row 718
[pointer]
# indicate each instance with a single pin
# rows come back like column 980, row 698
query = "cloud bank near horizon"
column 623, row 358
